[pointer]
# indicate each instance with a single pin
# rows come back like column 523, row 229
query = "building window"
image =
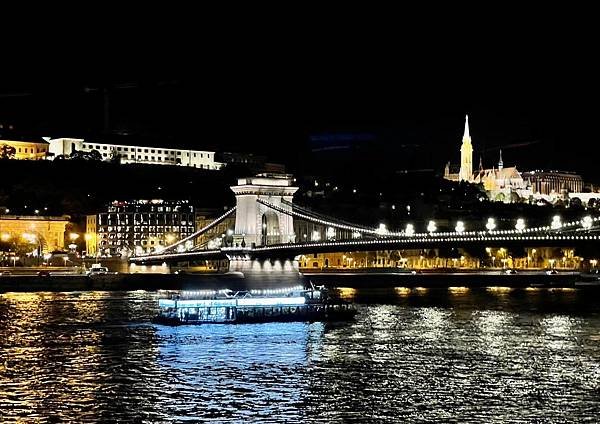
column 178, row 153
column 97, row 147
column 84, row 146
column 201, row 155
column 152, row 151
column 145, row 150
column 145, row 157
column 104, row 154
column 118, row 149
column 104, row 148
column 126, row 149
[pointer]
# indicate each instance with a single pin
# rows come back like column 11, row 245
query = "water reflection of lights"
column 433, row 322
column 458, row 290
column 532, row 289
column 499, row 289
column 402, row 291
column 347, row 292
column 421, row 290
column 491, row 325
column 562, row 290
column 560, row 327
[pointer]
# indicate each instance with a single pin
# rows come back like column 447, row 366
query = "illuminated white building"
column 202, row 159
column 501, row 184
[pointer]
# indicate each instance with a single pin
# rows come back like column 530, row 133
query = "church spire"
column 466, row 155
column 480, row 164
column 500, row 163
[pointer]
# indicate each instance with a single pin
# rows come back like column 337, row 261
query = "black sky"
column 260, row 91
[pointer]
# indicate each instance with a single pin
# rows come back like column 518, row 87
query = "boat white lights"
column 271, row 301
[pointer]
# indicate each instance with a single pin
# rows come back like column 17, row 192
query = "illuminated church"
column 501, row 184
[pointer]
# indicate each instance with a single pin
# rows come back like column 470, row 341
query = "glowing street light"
column 410, row 230
column 460, row 227
column 330, row 232
column 555, row 224
column 73, row 236
column 5, row 237
column 586, row 222
column 431, row 227
column 382, row 230
column 520, row 225
column 491, row 224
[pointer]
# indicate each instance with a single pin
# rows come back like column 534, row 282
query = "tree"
column 81, row 155
column 7, row 152
column 115, row 157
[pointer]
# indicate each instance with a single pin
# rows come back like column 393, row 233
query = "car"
column 43, row 274
column 416, row 271
column 98, row 270
column 181, row 272
column 510, row 271
column 551, row 272
column 6, row 273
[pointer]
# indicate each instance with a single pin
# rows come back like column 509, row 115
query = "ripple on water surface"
column 457, row 355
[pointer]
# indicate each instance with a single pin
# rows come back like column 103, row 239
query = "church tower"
column 466, row 155
column 500, row 163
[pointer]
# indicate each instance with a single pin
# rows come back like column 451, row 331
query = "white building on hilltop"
column 137, row 154
column 501, row 184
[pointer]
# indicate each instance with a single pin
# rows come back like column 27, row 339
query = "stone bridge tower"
column 257, row 224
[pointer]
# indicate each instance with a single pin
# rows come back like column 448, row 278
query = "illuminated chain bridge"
column 269, row 225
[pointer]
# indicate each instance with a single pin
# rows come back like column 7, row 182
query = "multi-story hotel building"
column 140, row 226
column 27, row 150
column 137, row 154
column 549, row 182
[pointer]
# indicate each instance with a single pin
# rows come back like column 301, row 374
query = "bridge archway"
column 270, row 228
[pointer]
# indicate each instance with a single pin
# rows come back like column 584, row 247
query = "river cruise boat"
column 228, row 307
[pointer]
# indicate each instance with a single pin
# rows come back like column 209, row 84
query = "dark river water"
column 453, row 355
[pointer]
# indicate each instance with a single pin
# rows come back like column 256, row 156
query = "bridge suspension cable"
column 354, row 228
column 201, row 231
column 318, row 215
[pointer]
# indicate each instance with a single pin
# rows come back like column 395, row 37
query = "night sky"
column 536, row 98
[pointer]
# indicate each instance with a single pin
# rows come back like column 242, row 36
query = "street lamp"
column 431, row 227
column 520, row 225
column 32, row 238
column 460, row 227
column 586, row 222
column 382, row 230
column 491, row 224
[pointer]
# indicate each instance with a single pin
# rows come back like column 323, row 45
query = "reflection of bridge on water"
column 266, row 218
